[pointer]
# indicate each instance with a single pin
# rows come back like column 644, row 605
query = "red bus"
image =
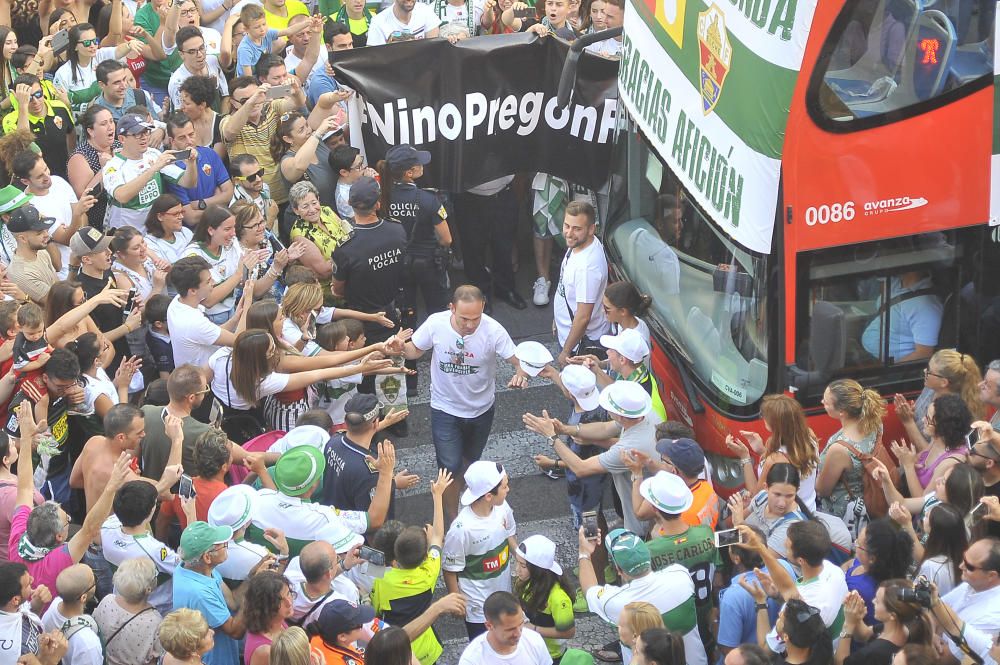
column 803, row 188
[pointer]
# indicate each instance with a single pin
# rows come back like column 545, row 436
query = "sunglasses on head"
column 253, row 176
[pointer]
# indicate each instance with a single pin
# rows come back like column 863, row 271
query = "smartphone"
column 976, row 515
column 372, row 556
column 278, row 91
column 589, row 520
column 129, row 302
column 96, row 190
column 60, row 41
column 728, row 537
column 181, row 155
column 186, row 487
column 525, row 13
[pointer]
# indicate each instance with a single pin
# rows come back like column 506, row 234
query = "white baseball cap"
column 480, row 478
column 582, row 385
column 629, row 343
column 667, row 492
column 233, row 507
column 533, row 357
column 541, row 552
column 627, row 399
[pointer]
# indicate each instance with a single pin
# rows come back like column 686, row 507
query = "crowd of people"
column 210, row 317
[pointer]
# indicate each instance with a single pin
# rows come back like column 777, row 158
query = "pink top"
column 925, row 471
column 48, row 568
column 253, row 642
column 8, row 495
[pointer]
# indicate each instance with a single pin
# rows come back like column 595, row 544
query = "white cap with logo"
column 480, row 478
column 629, row 343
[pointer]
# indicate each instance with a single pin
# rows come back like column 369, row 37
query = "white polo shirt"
column 980, row 610
column 304, row 522
column 120, row 547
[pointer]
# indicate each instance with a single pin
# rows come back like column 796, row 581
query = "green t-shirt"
column 695, row 550
column 400, row 596
column 558, row 614
column 157, row 71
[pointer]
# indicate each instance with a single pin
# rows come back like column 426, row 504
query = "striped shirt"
column 256, row 140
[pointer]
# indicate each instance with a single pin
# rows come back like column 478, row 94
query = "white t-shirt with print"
column 58, row 203
column 192, row 336
column 182, row 74
column 242, row 557
column 306, row 522
column 85, row 76
column 120, row 170
column 222, row 365
column 826, row 593
column 582, row 279
column 120, row 547
column 222, row 267
column 477, row 549
column 84, row 646
column 463, row 369
column 531, row 650
column 342, row 589
column 422, row 20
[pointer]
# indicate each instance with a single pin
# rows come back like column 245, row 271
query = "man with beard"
column 31, row 266
column 402, row 21
column 579, row 319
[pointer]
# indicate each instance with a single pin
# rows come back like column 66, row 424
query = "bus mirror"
column 568, row 77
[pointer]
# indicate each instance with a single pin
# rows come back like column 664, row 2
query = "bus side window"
column 893, row 54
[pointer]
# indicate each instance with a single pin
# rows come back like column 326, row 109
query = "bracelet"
column 761, row 606
column 553, row 438
column 844, row 635
column 127, row 329
column 745, row 460
column 582, row 556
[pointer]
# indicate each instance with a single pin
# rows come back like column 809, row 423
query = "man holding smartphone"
column 213, row 186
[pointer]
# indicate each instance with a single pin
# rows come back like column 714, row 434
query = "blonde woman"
column 791, row 441
column 860, row 412
column 291, row 647
column 302, row 306
column 947, row 372
column 635, row 618
column 185, row 637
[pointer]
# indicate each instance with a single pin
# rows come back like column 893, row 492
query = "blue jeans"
column 56, row 488
column 94, row 557
column 221, row 317
column 458, row 440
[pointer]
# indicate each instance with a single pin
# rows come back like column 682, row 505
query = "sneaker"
column 541, row 292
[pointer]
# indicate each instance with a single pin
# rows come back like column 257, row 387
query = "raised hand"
column 904, row 452
column 386, row 461
column 440, row 484
column 904, row 409
column 405, row 480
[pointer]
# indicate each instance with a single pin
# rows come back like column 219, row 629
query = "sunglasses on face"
column 253, row 176
column 88, row 42
column 38, row 94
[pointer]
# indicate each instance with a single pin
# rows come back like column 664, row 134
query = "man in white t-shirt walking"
column 403, row 20
column 505, row 640
column 465, row 344
column 577, row 306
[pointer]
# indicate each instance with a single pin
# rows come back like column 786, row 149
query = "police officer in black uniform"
column 428, row 250
column 369, row 264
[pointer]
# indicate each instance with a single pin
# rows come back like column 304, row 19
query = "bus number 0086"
column 830, row 214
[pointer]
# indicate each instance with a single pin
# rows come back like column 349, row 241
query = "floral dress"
column 836, row 503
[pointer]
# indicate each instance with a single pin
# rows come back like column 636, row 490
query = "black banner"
column 485, row 107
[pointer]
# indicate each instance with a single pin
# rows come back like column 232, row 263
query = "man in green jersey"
column 672, row 540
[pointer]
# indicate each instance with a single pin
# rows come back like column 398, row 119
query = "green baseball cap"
column 12, row 198
column 298, row 470
column 628, row 551
column 199, row 537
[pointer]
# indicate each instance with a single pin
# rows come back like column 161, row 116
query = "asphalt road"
column 540, row 504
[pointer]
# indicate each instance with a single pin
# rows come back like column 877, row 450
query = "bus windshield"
column 709, row 293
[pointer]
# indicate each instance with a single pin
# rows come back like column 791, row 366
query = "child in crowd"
column 480, row 542
column 260, row 40
column 332, row 395
column 158, row 335
column 31, row 349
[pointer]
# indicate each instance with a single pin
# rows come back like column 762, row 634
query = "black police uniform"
column 426, row 263
column 370, row 263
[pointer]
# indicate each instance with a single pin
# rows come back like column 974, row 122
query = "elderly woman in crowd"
column 128, row 622
column 185, row 637
column 318, row 223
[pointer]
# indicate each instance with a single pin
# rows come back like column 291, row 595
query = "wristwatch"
column 761, row 606
column 201, row 204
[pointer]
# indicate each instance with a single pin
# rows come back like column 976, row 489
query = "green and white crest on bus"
column 710, row 85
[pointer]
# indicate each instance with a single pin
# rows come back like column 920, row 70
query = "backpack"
column 875, row 503
column 75, row 624
column 837, row 554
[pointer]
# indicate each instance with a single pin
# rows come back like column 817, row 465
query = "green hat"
column 200, row 537
column 298, row 470
column 12, row 198
column 628, row 551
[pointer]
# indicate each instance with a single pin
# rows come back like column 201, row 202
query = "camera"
column 919, row 594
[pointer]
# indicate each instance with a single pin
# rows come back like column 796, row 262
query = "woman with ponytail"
column 623, row 305
column 801, row 629
column 860, row 412
column 791, row 441
column 774, row 508
column 947, row 372
column 903, row 622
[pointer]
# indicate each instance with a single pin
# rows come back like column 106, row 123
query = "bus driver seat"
column 827, row 346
